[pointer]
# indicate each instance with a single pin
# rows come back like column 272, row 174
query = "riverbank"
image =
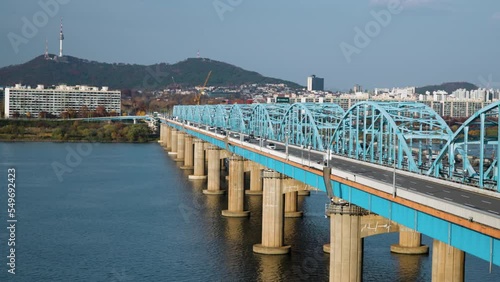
column 74, row 131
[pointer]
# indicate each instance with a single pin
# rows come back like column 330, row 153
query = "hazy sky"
column 369, row 42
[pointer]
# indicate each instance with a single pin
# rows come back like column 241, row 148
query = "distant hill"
column 75, row 71
column 448, row 87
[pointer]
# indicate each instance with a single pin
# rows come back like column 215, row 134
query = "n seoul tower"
column 61, row 38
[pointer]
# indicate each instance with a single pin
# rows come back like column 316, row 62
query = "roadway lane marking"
column 413, row 182
column 411, row 188
column 465, row 196
column 486, row 202
column 448, row 199
column 493, row 211
column 467, row 204
column 430, row 193
column 385, row 174
column 429, row 186
column 446, row 191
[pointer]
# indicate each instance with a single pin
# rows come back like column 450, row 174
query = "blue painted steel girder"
column 456, row 150
column 266, row 119
column 310, row 124
column 239, row 118
column 389, row 133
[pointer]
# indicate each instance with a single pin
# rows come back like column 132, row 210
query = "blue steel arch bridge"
column 405, row 135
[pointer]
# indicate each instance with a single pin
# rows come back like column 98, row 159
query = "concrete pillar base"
column 283, row 250
column 160, row 142
column 197, row 177
column 214, row 192
column 168, row 149
column 172, row 153
column 420, row 250
column 178, row 160
column 293, row 214
column 228, row 213
column 253, row 193
column 187, row 167
column 326, row 248
column 304, row 193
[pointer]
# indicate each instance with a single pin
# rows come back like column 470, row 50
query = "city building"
column 357, row 88
column 315, row 83
column 26, row 101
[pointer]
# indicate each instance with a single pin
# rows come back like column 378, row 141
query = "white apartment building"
column 21, row 100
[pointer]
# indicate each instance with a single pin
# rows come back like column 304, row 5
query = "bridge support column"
column 255, row 179
column 236, row 188
column 162, row 133
column 291, row 199
column 213, row 185
column 199, row 160
column 180, row 146
column 173, row 140
column 272, row 216
column 346, row 245
column 409, row 242
column 188, row 152
column 447, row 262
column 168, row 138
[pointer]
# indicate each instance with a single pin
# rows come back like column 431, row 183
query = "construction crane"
column 202, row 89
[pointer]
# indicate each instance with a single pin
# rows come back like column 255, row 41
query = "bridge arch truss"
column 389, row 133
column 471, row 155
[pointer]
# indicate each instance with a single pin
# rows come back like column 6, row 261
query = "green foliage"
column 74, row 131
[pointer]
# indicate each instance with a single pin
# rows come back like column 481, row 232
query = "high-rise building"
column 21, row 100
column 315, row 83
column 357, row 88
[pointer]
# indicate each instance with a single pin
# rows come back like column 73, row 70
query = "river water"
column 126, row 212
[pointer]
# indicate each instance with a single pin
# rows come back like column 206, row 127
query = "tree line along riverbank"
column 73, row 131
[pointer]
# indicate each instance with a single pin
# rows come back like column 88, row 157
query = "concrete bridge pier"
column 409, row 242
column 167, row 138
column 447, row 262
column 180, row 146
column 188, row 152
column 272, row 216
column 291, row 199
column 162, row 134
column 213, row 185
column 255, row 179
column 236, row 188
column 199, row 160
column 346, row 243
column 173, row 151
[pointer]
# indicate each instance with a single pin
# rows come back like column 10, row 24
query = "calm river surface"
column 126, row 212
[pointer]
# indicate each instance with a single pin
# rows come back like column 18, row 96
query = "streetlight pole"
column 309, row 148
column 302, row 154
column 394, row 173
column 286, row 144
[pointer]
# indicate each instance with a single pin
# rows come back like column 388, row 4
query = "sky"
column 374, row 43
